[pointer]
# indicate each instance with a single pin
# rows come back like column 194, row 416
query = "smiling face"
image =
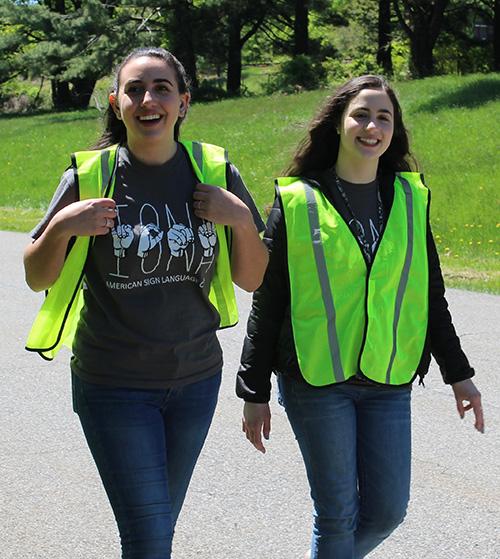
column 366, row 129
column 149, row 103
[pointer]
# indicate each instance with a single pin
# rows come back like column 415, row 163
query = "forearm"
column 44, row 257
column 249, row 255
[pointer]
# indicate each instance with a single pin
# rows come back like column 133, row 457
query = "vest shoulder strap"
column 94, row 171
column 414, row 179
column 209, row 161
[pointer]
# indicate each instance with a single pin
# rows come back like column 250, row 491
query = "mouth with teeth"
column 368, row 141
column 150, row 118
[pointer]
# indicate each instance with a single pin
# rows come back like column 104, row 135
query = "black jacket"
column 269, row 345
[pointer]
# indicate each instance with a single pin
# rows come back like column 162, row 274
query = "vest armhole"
column 228, row 176
column 75, row 174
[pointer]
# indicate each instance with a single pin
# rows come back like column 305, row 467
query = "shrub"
column 209, row 90
column 455, row 58
column 297, row 74
column 17, row 96
column 342, row 70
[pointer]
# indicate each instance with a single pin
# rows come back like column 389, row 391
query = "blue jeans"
column 145, row 444
column 355, row 442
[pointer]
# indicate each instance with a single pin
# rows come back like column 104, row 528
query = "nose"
column 148, row 97
column 371, row 124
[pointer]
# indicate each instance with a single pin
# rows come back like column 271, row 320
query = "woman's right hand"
column 44, row 257
column 86, row 218
column 257, row 422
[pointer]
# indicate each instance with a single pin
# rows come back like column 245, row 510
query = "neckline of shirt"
column 130, row 161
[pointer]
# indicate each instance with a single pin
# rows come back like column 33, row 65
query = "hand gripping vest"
column 56, row 322
column 346, row 317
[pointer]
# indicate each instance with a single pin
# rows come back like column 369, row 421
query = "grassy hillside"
column 452, row 121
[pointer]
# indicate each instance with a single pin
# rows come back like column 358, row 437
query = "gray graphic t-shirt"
column 363, row 200
column 147, row 321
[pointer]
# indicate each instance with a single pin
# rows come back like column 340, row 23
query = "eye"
column 163, row 88
column 134, row 89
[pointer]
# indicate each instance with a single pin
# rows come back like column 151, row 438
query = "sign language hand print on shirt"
column 179, row 238
column 123, row 235
column 208, row 237
column 151, row 235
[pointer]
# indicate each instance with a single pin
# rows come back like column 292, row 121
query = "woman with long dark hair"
column 138, row 251
column 351, row 307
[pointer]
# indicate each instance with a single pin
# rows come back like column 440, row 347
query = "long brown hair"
column 115, row 131
column 319, row 149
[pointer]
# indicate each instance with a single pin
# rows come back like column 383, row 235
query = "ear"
column 113, row 101
column 184, row 104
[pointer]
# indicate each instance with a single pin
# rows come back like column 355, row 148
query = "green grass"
column 452, row 121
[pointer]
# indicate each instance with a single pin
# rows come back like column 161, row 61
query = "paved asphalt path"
column 241, row 504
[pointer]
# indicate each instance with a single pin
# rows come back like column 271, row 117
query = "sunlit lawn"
column 452, row 120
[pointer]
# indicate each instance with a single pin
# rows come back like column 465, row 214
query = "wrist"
column 58, row 229
column 243, row 220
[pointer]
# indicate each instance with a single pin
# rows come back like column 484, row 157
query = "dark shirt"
column 147, row 321
column 361, row 213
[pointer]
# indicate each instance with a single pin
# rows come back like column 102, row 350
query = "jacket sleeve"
column 445, row 344
column 253, row 381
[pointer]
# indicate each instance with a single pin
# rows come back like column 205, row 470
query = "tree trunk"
column 421, row 57
column 423, row 28
column 496, row 37
column 233, row 82
column 82, row 92
column 182, row 41
column 301, row 27
column 384, row 57
column 59, row 7
column 61, row 96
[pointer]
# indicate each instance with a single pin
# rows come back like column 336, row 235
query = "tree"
column 301, row 27
column 245, row 18
column 466, row 43
column 180, row 33
column 384, row 58
column 422, row 22
column 496, row 36
column 72, row 44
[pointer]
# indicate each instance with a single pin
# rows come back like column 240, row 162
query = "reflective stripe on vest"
column 209, row 163
column 56, row 322
column 344, row 317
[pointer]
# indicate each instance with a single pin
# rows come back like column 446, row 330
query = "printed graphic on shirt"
column 123, row 236
column 180, row 239
column 159, row 247
column 372, row 238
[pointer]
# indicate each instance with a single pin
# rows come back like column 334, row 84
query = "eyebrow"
column 157, row 80
column 387, row 111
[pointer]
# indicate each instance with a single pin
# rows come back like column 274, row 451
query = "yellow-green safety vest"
column 347, row 316
column 95, row 171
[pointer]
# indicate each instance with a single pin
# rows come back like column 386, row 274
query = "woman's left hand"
column 220, row 206
column 466, row 391
column 248, row 253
